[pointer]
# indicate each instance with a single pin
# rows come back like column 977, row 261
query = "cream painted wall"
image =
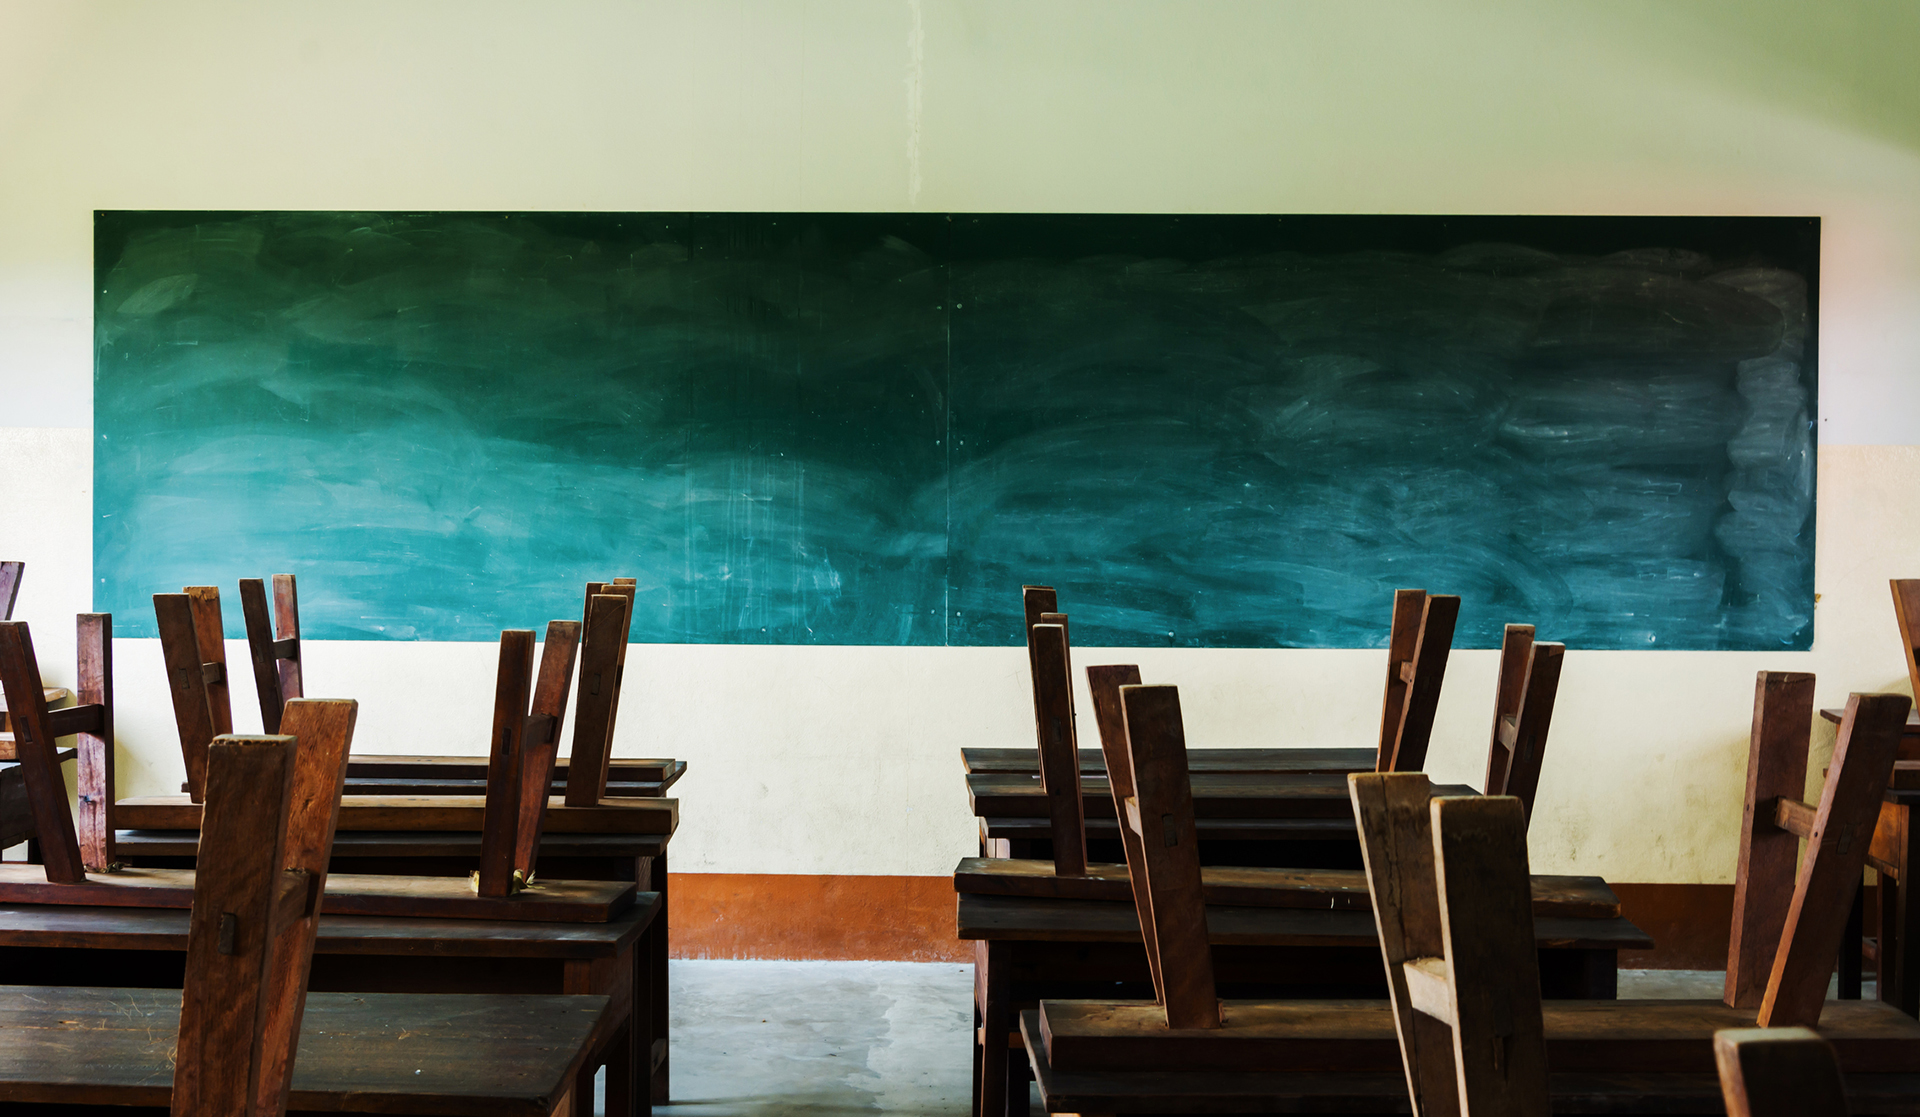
column 842, row 760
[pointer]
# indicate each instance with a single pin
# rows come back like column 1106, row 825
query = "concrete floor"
column 822, row 1039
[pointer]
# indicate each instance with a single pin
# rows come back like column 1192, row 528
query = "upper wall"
column 1729, row 107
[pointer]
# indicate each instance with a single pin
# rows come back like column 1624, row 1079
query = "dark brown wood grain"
column 1059, row 759
column 1252, row 886
column 1528, row 745
column 209, row 636
column 286, row 637
column 1217, row 795
column 607, row 618
column 1509, row 692
column 94, row 743
column 1161, row 813
column 1492, row 980
column 1779, row 1072
column 1769, row 855
column 1403, row 635
column 501, row 813
column 10, row 575
column 1333, row 761
column 186, row 684
column 1412, row 721
column 1829, row 873
column 323, row 731
column 428, row 812
column 34, row 741
column 554, row 901
column 1652, row 1036
column 480, row 1055
column 1396, row 843
column 1110, row 720
column 545, row 720
column 398, row 766
column 231, row 939
column 255, row 611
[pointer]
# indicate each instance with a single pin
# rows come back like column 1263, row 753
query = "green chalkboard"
column 1237, row 430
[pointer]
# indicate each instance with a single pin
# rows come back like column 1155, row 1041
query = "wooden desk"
column 1027, row 950
column 392, row 774
column 16, row 817
column 1026, row 762
column 635, row 857
column 1909, row 740
column 1202, row 1091
column 473, row 1055
column 146, row 947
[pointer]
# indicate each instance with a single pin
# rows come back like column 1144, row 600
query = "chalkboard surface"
column 1211, row 431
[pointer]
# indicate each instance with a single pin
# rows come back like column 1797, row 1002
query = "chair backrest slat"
column 1110, row 718
column 1050, row 659
column 1778, row 1072
column 1417, row 647
column 1167, row 878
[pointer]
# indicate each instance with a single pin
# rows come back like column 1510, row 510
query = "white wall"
column 842, row 760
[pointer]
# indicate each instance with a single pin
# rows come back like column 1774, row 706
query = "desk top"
column 48, row 925
column 1093, row 762
column 1213, row 1091
column 1023, row 919
column 1210, row 829
column 410, row 843
column 444, row 813
column 466, row 1054
column 406, row 766
column 1215, row 795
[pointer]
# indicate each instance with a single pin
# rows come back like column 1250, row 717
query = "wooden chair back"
column 1906, row 614
column 193, row 644
column 1778, row 1072
column 1417, row 645
column 1452, row 903
column 67, row 853
column 527, row 719
column 1522, row 713
column 273, row 644
column 1050, row 668
column 271, row 808
column 1780, row 957
column 608, row 619
column 10, row 573
column 1166, row 876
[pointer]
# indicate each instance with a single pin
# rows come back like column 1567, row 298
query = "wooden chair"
column 1779, row 1072
column 1088, row 1055
column 273, row 643
column 509, row 824
column 1522, row 713
column 272, row 802
column 1417, row 645
column 521, row 763
column 67, row 855
column 1456, row 932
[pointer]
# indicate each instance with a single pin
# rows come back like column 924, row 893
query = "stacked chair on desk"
column 391, row 928
column 244, row 1036
column 1275, row 929
column 1458, row 931
column 16, row 819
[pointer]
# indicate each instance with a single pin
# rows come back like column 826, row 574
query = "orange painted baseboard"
column 751, row 915
column 764, row 915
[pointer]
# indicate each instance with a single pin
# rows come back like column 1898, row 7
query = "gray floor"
column 829, row 1038
column 820, row 1038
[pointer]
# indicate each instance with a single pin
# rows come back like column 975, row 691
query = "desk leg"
column 993, row 1007
column 1900, row 922
column 656, row 1045
column 1852, row 946
column 612, row 978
